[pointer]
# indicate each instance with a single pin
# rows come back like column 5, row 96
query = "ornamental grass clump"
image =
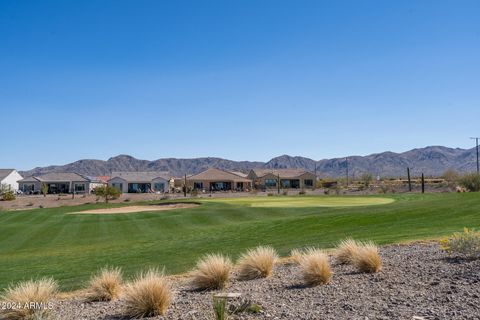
column 367, row 259
column 257, row 263
column 211, row 272
column 106, row 285
column 148, row 295
column 28, row 300
column 466, row 243
column 315, row 267
column 346, row 251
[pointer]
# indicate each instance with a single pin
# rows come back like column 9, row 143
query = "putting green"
column 307, row 202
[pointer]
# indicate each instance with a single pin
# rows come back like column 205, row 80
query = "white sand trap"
column 132, row 209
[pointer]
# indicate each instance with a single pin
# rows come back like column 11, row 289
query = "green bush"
column 270, row 194
column 107, row 192
column 471, row 182
column 466, row 243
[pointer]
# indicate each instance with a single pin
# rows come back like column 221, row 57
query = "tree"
column 366, row 178
column 44, row 189
column 6, row 193
column 107, row 192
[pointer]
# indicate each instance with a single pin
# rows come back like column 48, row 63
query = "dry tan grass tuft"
column 346, row 251
column 28, row 299
column 257, row 263
column 315, row 267
column 212, row 272
column 367, row 259
column 296, row 255
column 148, row 295
column 105, row 286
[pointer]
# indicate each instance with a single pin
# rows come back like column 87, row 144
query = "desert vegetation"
column 315, row 267
column 211, row 272
column 107, row 193
column 257, row 263
column 28, row 300
column 466, row 243
column 363, row 255
column 148, row 295
column 106, row 285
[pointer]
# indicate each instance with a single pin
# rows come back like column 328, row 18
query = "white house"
column 58, row 182
column 10, row 178
column 140, row 182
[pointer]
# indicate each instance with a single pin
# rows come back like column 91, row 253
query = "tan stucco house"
column 140, row 182
column 58, row 182
column 289, row 178
column 219, row 180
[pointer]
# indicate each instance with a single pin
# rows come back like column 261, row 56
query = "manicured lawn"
column 49, row 242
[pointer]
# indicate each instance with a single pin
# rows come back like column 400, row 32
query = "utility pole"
column 409, row 180
column 423, row 183
column 185, row 186
column 478, row 165
column 346, row 162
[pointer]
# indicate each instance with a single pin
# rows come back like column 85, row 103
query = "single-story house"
column 57, row 182
column 289, row 178
column 140, row 182
column 9, row 179
column 218, row 180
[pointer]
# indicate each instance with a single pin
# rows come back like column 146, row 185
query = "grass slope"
column 48, row 242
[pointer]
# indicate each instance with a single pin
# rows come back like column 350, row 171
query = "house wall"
column 36, row 185
column 260, row 182
column 117, row 181
column 12, row 180
column 166, row 184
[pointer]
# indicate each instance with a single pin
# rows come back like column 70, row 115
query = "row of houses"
column 210, row 180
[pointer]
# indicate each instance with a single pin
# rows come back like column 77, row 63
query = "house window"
column 308, row 182
column 28, row 188
column 198, row 185
column 159, row 186
column 270, row 182
column 80, row 187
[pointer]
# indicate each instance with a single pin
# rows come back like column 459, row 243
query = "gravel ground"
column 418, row 281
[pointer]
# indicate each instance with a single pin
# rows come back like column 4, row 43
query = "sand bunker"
column 132, row 209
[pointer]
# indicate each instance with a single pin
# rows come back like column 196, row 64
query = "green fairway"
column 303, row 202
column 50, row 242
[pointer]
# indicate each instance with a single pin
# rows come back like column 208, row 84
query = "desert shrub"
column 194, row 192
column 107, row 192
column 367, row 259
column 8, row 196
column 257, row 263
column 148, row 295
column 315, row 267
column 383, row 188
column 220, row 308
column 270, row 194
column 212, row 272
column 25, row 293
column 366, row 179
column 470, row 181
column 301, row 192
column 346, row 251
column 285, row 193
column 466, row 243
column 295, row 255
column 106, row 285
column 127, row 200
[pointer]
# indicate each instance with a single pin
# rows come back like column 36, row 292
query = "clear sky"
column 243, row 80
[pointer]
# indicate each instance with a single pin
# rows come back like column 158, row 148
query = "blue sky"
column 244, row 80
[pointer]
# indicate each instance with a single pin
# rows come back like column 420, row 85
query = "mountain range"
column 432, row 161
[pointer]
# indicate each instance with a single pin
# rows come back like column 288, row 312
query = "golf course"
column 70, row 247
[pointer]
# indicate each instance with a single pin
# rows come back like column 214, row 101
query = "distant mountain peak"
column 431, row 160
